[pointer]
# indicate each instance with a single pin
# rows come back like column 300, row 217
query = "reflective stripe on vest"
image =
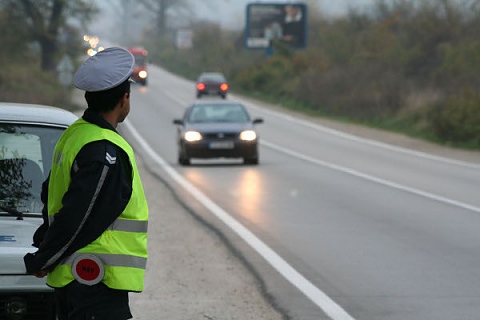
column 129, row 225
column 114, row 260
column 122, row 225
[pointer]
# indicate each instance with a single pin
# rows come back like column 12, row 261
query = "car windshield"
column 140, row 60
column 25, row 161
column 218, row 113
column 213, row 77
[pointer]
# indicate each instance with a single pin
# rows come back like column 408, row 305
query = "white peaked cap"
column 105, row 70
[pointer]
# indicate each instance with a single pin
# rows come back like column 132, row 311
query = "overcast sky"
column 233, row 11
column 228, row 13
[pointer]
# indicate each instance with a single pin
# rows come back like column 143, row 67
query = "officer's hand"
column 40, row 274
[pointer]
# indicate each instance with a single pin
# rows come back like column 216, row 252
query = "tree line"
column 408, row 66
column 36, row 34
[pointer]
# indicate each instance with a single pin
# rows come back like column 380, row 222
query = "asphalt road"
column 329, row 226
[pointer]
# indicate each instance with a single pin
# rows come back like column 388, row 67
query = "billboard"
column 184, row 39
column 269, row 22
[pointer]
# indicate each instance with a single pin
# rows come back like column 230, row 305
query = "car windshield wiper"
column 14, row 212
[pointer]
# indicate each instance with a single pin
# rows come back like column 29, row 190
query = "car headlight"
column 142, row 74
column 248, row 135
column 16, row 308
column 192, row 136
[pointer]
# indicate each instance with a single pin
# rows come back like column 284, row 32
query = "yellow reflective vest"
column 123, row 246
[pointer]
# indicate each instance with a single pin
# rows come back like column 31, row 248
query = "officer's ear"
column 125, row 97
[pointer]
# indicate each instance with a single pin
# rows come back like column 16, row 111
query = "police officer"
column 95, row 247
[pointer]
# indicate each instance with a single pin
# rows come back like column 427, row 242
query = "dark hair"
column 105, row 101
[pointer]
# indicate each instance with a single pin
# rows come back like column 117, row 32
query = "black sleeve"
column 100, row 189
column 40, row 233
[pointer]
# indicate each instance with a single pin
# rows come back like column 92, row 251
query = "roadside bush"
column 275, row 77
column 361, row 92
column 457, row 119
column 28, row 84
column 460, row 65
column 14, row 36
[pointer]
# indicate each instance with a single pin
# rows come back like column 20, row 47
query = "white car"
column 28, row 134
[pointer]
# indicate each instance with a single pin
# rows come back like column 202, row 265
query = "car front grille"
column 220, row 136
column 39, row 305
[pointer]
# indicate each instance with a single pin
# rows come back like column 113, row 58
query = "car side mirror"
column 257, row 120
column 178, row 122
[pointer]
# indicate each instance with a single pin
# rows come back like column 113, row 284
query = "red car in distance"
column 140, row 73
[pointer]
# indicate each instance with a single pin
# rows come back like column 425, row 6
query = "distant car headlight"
column 16, row 308
column 248, row 135
column 192, row 136
column 142, row 74
column 91, row 52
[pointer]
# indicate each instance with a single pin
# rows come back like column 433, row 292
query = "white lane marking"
column 371, row 178
column 361, row 140
column 176, row 99
column 330, row 307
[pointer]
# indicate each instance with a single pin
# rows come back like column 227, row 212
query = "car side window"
column 20, row 145
column 25, row 159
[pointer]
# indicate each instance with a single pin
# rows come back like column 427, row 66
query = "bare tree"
column 160, row 9
column 130, row 20
column 46, row 18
